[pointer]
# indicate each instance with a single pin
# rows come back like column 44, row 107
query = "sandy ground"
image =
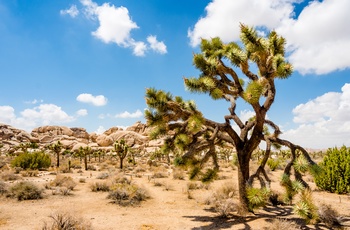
column 169, row 207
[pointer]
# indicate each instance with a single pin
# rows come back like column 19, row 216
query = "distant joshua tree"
column 122, row 149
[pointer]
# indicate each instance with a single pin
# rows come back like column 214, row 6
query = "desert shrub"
column 257, row 197
column 91, row 167
column 9, row 176
column 82, row 180
column 222, row 200
column 127, row 194
column 179, row 161
column 30, row 173
column 209, row 175
column 329, row 216
column 305, row 208
column 178, row 175
column 291, row 188
column 278, row 224
column 273, row 164
column 120, row 179
column 193, row 185
column 3, row 188
column 64, row 221
column 64, row 181
column 25, row 190
column 100, row 187
column 102, row 176
column 35, row 160
column 335, row 171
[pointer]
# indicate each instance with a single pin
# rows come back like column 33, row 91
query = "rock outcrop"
column 136, row 136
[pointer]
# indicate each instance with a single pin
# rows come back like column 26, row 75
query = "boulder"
column 104, row 140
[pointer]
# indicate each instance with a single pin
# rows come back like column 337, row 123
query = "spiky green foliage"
column 194, row 173
column 35, row 160
column 335, row 171
column 301, row 164
column 209, row 175
column 305, row 208
column 291, row 188
column 257, row 197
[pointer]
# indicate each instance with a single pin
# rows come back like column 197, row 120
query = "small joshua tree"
column 56, row 148
column 122, row 149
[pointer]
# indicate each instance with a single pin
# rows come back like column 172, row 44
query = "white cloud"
column 321, row 30
column 44, row 114
column 99, row 100
column 324, row 122
column 82, row 112
column 72, row 11
column 245, row 115
column 157, row 46
column 115, row 26
column 126, row 114
column 139, row 48
column 223, row 17
column 319, row 37
column 100, row 130
column 35, row 101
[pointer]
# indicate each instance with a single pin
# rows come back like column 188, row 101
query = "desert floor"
column 171, row 206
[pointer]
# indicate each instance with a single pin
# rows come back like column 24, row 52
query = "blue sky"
column 87, row 63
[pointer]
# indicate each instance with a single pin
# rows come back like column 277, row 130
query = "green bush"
column 273, row 164
column 335, row 171
column 36, row 160
column 25, row 190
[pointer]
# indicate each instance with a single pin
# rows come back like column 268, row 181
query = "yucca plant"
column 257, row 197
column 305, row 208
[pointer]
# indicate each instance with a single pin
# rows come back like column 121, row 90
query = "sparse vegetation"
column 25, row 190
column 127, row 194
column 65, row 221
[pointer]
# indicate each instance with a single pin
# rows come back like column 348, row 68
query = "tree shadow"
column 268, row 213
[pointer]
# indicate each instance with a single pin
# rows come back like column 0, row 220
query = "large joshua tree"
column 186, row 129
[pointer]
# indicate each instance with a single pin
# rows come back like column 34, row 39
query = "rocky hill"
column 135, row 136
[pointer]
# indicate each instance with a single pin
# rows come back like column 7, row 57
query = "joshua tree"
column 122, row 149
column 56, row 148
column 221, row 65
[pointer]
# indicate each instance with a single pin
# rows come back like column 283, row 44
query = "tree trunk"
column 243, row 176
column 121, row 163
column 58, row 159
column 85, row 162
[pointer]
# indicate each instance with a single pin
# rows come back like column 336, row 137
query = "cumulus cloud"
column 82, row 112
column 157, row 46
column 115, row 26
column 223, row 17
column 319, row 32
column 44, row 114
column 323, row 122
column 35, row 101
column 72, row 11
column 98, row 100
column 100, row 130
column 127, row 114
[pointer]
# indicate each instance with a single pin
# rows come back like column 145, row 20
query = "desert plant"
column 335, row 171
column 64, row 181
column 9, row 176
column 102, row 176
column 100, row 187
column 257, row 197
column 305, row 208
column 329, row 216
column 278, row 224
column 25, row 190
column 64, row 221
column 178, row 175
column 291, row 188
column 121, row 149
column 127, row 194
column 3, row 188
column 221, row 200
column 35, row 160
column 273, row 164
